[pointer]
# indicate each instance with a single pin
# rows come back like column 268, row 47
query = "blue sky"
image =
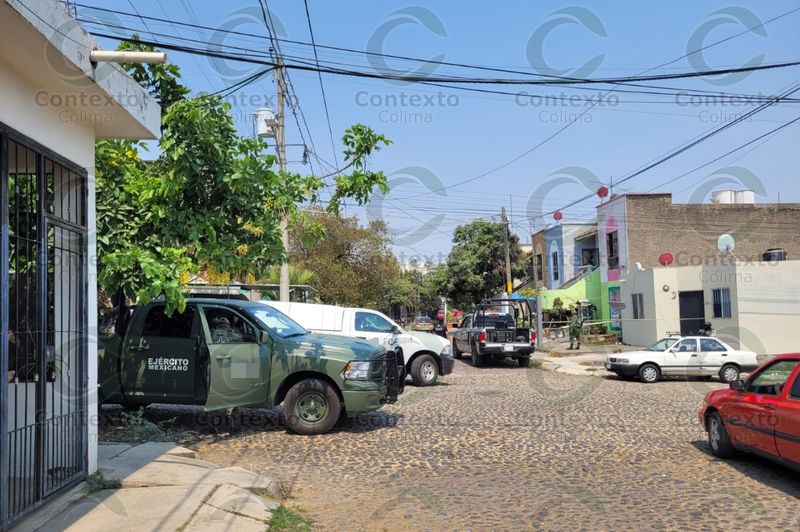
column 443, row 136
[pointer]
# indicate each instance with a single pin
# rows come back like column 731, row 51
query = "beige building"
column 751, row 305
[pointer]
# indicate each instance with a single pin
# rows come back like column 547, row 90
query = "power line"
column 321, row 85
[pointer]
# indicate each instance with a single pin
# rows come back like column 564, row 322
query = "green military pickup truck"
column 225, row 354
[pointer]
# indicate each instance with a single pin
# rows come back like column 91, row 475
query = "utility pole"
column 509, row 285
column 280, row 141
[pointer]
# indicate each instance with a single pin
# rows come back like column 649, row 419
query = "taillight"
column 533, row 337
column 482, row 337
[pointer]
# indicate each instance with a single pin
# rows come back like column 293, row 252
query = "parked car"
column 425, row 356
column 422, row 323
column 224, row 353
column 683, row 356
column 498, row 329
column 760, row 415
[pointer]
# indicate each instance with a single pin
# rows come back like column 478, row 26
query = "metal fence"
column 43, row 322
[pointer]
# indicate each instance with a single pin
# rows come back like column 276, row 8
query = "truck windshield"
column 277, row 322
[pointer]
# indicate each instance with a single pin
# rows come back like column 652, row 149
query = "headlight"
column 446, row 350
column 357, row 370
column 622, row 361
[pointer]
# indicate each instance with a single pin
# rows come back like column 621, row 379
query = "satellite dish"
column 726, row 244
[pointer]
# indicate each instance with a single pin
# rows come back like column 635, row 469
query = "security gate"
column 43, row 322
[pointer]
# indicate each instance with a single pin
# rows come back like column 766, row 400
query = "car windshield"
column 663, row 344
column 278, row 322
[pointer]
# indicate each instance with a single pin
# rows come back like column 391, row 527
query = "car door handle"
column 694, row 355
column 222, row 357
column 769, row 407
column 724, row 354
column 138, row 348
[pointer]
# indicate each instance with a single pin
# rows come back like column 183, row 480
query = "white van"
column 425, row 355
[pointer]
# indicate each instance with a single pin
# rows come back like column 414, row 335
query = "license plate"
column 508, row 348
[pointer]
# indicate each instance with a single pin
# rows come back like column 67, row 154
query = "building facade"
column 751, row 305
column 55, row 104
column 649, row 230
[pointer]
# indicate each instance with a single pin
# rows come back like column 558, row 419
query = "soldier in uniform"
column 575, row 326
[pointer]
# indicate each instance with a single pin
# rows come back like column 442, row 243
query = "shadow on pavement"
column 757, row 468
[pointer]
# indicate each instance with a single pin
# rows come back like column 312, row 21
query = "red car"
column 760, row 415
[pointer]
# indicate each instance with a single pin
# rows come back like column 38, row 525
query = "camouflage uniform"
column 575, row 326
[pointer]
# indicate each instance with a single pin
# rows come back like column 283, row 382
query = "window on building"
column 555, row 265
column 638, row 306
column 722, row 302
column 612, row 247
column 539, row 265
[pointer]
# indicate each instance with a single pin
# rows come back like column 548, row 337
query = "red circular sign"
column 665, row 259
column 557, row 216
column 602, row 192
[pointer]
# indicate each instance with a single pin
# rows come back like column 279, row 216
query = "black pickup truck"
column 498, row 329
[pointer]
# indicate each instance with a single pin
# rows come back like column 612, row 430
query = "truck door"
column 236, row 370
column 375, row 328
column 160, row 358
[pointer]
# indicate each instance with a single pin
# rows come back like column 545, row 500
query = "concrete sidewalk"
column 160, row 487
column 588, row 360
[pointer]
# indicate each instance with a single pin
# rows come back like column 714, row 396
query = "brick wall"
column 690, row 232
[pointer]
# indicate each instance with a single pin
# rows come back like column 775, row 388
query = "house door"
column 43, row 319
column 692, row 312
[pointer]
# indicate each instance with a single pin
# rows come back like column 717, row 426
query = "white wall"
column 73, row 141
column 765, row 304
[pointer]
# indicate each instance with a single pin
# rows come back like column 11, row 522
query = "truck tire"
column 424, row 371
column 524, row 362
column 456, row 351
column 477, row 360
column 311, row 406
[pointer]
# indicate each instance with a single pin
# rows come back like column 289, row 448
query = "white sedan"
column 685, row 356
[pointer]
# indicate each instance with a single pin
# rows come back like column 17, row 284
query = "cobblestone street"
column 505, row 448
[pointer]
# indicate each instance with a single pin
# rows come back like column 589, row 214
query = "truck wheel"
column 456, row 351
column 424, row 371
column 524, row 361
column 477, row 360
column 311, row 406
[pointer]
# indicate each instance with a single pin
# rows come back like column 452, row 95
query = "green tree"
column 352, row 265
column 211, row 201
column 476, row 264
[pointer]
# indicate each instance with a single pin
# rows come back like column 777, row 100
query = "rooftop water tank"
column 723, row 196
column 774, row 255
column 745, row 196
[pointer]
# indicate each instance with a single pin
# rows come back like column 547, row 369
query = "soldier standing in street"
column 575, row 326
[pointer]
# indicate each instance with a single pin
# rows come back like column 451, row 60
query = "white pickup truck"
column 426, row 356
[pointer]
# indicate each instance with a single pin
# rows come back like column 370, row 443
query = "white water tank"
column 745, row 196
column 723, row 196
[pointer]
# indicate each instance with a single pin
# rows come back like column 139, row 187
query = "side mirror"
column 396, row 329
column 264, row 337
column 737, row 385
